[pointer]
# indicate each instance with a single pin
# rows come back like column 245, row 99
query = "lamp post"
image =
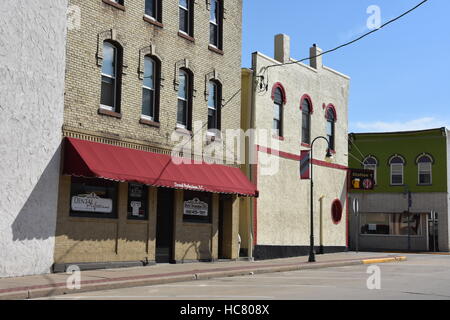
column 329, row 156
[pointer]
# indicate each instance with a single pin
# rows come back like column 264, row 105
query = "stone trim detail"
column 114, row 36
column 185, row 63
column 150, row 51
column 213, row 75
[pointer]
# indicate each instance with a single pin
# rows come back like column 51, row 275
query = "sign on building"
column 361, row 179
column 91, row 203
column 304, row 165
column 196, row 207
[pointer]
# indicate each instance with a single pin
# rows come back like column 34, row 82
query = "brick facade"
column 101, row 21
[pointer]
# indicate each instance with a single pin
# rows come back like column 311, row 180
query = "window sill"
column 153, row 22
column 109, row 113
column 215, row 49
column 114, row 4
column 425, row 185
column 278, row 137
column 186, row 36
column 150, row 123
column 183, row 131
column 397, row 185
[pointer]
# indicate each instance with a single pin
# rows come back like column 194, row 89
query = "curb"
column 60, row 289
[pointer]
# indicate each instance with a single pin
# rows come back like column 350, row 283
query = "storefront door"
column 433, row 232
column 164, row 225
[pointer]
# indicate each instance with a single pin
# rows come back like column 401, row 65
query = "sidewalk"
column 55, row 284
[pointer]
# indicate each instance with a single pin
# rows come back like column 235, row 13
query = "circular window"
column 336, row 211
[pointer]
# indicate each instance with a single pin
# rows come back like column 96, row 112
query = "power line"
column 350, row 42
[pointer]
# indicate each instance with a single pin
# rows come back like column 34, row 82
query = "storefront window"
column 391, row 224
column 93, row 198
column 197, row 207
column 137, row 201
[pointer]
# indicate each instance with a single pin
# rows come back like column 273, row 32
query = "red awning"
column 91, row 159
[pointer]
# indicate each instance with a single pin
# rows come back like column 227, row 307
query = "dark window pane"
column 150, row 8
column 278, row 98
column 148, row 102
column 108, row 92
column 397, row 179
column 397, row 160
column 182, row 112
column 425, row 178
column 213, row 35
column 184, row 20
column 212, row 119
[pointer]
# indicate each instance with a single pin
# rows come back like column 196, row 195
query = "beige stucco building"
column 294, row 104
column 147, row 76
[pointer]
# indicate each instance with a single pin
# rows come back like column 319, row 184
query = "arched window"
column 425, row 164
column 215, row 23
column 278, row 112
column 331, row 130
column 371, row 163
column 184, row 99
column 397, row 164
column 306, row 107
column 336, row 211
column 150, row 89
column 111, row 77
column 214, row 106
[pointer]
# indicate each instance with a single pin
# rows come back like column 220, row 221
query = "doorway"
column 164, row 225
column 433, row 232
column 225, row 227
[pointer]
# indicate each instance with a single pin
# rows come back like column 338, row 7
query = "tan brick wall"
column 104, row 240
column 83, row 75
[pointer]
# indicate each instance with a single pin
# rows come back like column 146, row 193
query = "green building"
column 409, row 205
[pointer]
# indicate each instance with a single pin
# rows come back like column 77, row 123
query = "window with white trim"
column 397, row 164
column 371, row 163
column 186, row 17
column 306, row 121
column 278, row 112
column 153, row 9
column 149, row 90
column 184, row 99
column 331, row 120
column 214, row 105
column 215, row 24
column 425, row 164
column 110, row 77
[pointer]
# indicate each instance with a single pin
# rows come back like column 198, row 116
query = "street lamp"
column 328, row 158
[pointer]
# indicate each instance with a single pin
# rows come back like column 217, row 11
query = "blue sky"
column 400, row 75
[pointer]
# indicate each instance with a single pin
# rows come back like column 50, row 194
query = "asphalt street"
column 420, row 277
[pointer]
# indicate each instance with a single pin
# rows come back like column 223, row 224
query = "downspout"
column 251, row 147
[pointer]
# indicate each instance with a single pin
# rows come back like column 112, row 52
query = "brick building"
column 140, row 77
column 295, row 103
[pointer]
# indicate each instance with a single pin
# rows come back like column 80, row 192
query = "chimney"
column 282, row 48
column 316, row 62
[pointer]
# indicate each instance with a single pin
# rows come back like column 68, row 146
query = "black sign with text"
column 361, row 179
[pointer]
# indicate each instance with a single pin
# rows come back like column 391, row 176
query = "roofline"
column 398, row 132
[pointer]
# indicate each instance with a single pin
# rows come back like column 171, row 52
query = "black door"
column 221, row 227
column 164, row 225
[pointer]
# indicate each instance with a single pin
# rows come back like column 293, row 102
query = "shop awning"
column 97, row 160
